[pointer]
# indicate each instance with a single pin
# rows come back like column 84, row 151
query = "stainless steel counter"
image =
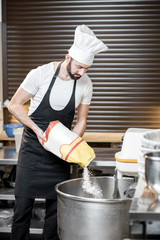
column 145, row 208
column 104, row 157
column 8, row 156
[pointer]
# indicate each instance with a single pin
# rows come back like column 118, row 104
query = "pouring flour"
column 67, row 145
column 71, row 148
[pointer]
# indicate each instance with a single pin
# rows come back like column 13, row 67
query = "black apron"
column 38, row 170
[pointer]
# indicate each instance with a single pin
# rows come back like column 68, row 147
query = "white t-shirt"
column 37, row 82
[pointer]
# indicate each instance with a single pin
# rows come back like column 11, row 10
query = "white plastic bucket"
column 18, row 137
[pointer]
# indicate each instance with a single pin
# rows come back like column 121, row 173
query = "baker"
column 55, row 89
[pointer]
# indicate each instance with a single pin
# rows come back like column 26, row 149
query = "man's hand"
column 40, row 135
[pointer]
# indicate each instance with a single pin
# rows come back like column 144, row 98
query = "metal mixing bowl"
column 152, row 171
column 82, row 217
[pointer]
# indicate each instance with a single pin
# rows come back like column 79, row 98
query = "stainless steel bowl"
column 82, row 217
column 152, row 171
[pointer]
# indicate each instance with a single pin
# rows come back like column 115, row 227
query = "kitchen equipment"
column 151, row 139
column 1, row 174
column 116, row 194
column 127, row 158
column 152, row 171
column 141, row 160
column 81, row 216
column 9, row 128
column 150, row 142
column 129, row 193
column 6, row 217
column 39, row 213
column 10, row 181
column 18, row 137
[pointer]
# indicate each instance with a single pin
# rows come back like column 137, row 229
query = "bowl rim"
column 148, row 156
column 13, row 125
column 144, row 138
column 87, row 199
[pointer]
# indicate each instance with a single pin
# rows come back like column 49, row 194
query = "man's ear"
column 67, row 58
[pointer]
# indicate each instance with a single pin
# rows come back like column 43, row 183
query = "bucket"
column 152, row 171
column 18, row 137
column 9, row 129
column 81, row 217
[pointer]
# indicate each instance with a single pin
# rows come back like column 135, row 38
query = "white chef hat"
column 86, row 45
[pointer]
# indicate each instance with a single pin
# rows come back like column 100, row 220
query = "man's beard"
column 72, row 76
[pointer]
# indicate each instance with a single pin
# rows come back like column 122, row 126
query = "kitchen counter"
column 104, row 157
column 145, row 210
column 8, row 156
column 145, row 207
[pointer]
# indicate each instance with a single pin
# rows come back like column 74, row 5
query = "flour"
column 90, row 186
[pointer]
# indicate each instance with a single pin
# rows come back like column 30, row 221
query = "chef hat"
column 86, row 45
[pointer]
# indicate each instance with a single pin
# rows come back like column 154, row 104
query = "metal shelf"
column 8, row 156
column 36, row 227
column 8, row 194
column 32, row 230
column 36, row 224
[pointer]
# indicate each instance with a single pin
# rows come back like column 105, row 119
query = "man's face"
column 76, row 70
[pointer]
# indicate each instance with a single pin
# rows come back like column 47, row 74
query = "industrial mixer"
column 127, row 158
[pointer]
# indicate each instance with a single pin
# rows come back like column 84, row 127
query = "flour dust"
column 91, row 186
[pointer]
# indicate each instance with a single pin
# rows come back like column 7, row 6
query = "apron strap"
column 54, row 77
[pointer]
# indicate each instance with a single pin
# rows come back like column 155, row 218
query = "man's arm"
column 16, row 108
column 82, row 112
